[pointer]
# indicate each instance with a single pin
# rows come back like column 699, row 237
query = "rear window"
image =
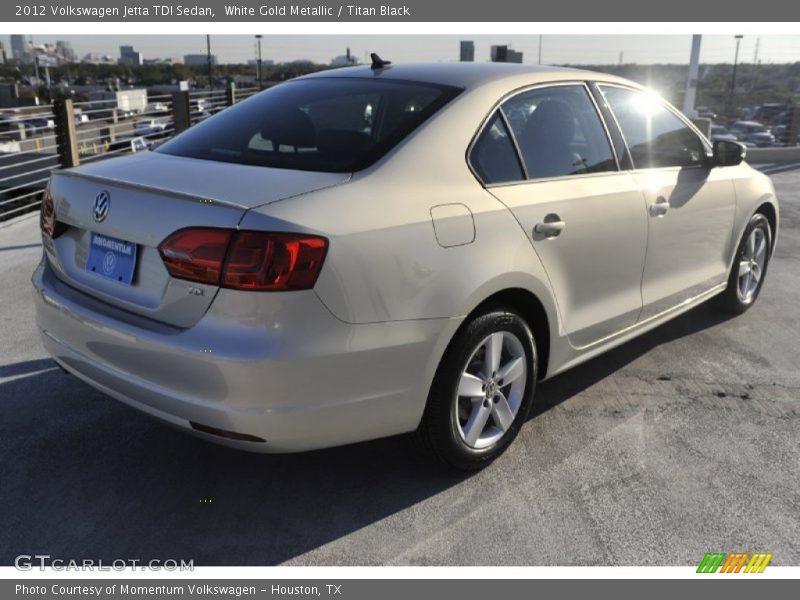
column 335, row 124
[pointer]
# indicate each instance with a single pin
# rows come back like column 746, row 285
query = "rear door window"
column 559, row 132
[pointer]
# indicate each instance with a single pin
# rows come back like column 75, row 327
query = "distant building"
column 172, row 60
column 198, row 59
column 467, row 53
column 19, row 49
column 505, row 54
column 3, row 58
column 343, row 60
column 97, row 59
column 129, row 56
column 65, row 52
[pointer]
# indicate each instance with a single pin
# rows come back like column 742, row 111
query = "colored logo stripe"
column 711, row 562
column 758, row 563
column 734, row 562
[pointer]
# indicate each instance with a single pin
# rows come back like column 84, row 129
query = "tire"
column 472, row 417
column 742, row 293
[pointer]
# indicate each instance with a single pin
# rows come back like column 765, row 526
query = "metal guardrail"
column 35, row 140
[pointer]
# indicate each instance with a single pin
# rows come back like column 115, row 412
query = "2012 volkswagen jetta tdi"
column 371, row 251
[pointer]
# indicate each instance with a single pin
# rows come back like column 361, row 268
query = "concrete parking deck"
column 686, row 440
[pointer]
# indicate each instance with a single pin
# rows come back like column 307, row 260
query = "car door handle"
column 550, row 227
column 660, row 207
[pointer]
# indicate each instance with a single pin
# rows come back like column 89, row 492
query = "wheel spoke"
column 511, row 371
column 501, row 412
column 470, row 386
column 751, row 245
column 761, row 246
column 494, row 348
column 744, row 267
column 476, row 422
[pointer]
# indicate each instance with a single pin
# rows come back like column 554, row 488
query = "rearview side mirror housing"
column 728, row 154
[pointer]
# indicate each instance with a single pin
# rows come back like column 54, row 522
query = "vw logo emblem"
column 102, row 202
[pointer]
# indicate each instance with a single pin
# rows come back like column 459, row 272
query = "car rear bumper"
column 275, row 367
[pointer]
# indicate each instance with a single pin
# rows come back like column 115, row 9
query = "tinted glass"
column 656, row 137
column 559, row 132
column 334, row 124
column 493, row 156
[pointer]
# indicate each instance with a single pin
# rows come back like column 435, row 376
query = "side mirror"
column 728, row 154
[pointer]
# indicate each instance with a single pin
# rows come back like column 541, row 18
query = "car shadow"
column 86, row 477
column 554, row 391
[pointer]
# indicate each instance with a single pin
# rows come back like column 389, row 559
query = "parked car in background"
column 39, row 124
column 297, row 272
column 770, row 113
column 149, row 126
column 720, row 132
column 132, row 144
column 753, row 132
column 781, row 133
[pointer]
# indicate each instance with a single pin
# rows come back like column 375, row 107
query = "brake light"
column 47, row 214
column 196, row 254
column 245, row 260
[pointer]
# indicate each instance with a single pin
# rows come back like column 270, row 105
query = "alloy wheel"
column 490, row 390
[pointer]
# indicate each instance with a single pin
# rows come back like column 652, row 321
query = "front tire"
column 749, row 268
column 482, row 392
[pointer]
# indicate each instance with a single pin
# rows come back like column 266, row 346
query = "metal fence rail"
column 35, row 140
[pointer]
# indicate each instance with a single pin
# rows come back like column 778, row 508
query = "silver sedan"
column 386, row 249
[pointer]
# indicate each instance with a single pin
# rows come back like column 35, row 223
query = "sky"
column 556, row 49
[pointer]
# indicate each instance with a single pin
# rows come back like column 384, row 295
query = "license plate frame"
column 112, row 258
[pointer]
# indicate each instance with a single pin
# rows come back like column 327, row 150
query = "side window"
column 656, row 137
column 559, row 132
column 493, row 156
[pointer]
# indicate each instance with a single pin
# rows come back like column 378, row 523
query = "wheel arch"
column 530, row 308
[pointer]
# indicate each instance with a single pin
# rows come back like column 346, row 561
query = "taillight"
column 196, row 254
column 47, row 215
column 245, row 260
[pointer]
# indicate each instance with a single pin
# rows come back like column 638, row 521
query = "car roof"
column 467, row 75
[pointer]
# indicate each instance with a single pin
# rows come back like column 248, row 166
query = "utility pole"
column 540, row 48
column 210, row 69
column 258, row 38
column 755, row 65
column 621, row 57
column 733, row 78
column 691, row 79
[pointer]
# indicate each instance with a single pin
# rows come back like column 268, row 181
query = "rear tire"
column 749, row 268
column 482, row 392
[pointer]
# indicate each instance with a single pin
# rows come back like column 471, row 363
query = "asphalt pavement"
column 684, row 441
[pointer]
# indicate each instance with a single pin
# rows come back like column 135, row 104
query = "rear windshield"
column 334, row 124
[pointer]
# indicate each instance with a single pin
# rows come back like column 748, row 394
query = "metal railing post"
column 181, row 111
column 66, row 134
column 230, row 94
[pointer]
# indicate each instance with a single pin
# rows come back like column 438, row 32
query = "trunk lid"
column 150, row 196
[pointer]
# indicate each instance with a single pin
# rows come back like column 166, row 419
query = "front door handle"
column 550, row 227
column 660, row 207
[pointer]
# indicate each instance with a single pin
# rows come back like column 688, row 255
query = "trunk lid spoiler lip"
column 77, row 173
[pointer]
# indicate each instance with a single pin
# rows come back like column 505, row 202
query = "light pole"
column 733, row 78
column 258, row 69
column 210, row 69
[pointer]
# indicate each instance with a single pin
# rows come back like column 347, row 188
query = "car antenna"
column 378, row 62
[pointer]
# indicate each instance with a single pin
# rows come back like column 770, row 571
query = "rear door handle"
column 550, row 227
column 660, row 207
